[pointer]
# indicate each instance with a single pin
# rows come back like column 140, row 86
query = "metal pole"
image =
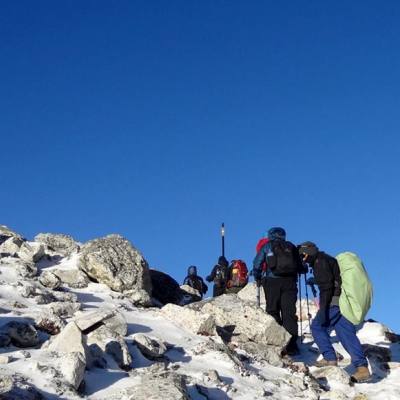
column 223, row 238
column 301, row 317
column 308, row 305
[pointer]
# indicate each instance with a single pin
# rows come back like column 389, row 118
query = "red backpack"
column 239, row 274
column 260, row 244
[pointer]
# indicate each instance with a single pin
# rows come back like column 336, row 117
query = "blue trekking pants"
column 345, row 332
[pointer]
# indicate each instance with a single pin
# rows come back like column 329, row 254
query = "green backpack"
column 356, row 296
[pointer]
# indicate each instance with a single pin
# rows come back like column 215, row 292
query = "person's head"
column 223, row 261
column 308, row 252
column 192, row 270
column 276, row 233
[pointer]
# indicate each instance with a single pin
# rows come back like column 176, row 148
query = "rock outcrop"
column 112, row 260
column 21, row 334
column 57, row 243
column 165, row 289
column 151, row 347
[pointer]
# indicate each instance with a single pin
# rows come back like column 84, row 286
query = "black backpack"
column 283, row 258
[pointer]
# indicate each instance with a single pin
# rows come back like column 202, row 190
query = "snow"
column 189, row 354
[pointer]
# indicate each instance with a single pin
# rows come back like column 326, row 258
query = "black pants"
column 281, row 297
column 218, row 290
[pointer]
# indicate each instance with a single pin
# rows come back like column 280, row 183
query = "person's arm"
column 259, row 259
column 186, row 281
column 211, row 277
column 204, row 286
column 324, row 279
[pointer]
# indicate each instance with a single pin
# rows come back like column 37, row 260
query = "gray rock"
column 111, row 343
column 199, row 323
column 189, row 295
column 6, row 233
column 22, row 334
column 26, row 269
column 69, row 340
column 139, row 297
column 377, row 353
column 50, row 280
column 5, row 340
column 263, row 352
column 113, row 260
column 155, row 386
column 31, row 252
column 64, row 309
column 50, row 323
column 4, row 359
column 14, row 387
column 165, row 289
column 61, row 244
column 87, row 320
column 117, row 323
column 329, row 376
column 249, row 323
column 72, row 367
column 74, row 278
column 249, row 294
column 11, row 246
column 150, row 347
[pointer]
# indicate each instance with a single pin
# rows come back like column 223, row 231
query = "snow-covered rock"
column 161, row 386
column 110, row 343
column 61, row 244
column 189, row 295
column 16, row 387
column 72, row 366
column 50, row 280
column 74, row 278
column 22, row 334
column 69, row 340
column 150, row 347
column 112, row 260
column 249, row 322
column 331, row 376
column 6, row 233
column 199, row 323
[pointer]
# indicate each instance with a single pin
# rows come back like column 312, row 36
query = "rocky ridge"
column 89, row 321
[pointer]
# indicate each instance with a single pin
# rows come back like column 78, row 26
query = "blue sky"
column 159, row 120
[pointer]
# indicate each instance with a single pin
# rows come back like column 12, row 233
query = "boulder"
column 196, row 322
column 50, row 280
column 74, row 278
column 155, row 386
column 11, row 246
column 72, row 367
column 31, row 252
column 92, row 319
column 6, row 233
column 189, row 295
column 249, row 294
column 64, row 245
column 165, row 288
column 26, row 269
column 5, row 340
column 113, row 260
column 246, row 322
column 22, row 334
column 150, row 347
column 65, row 309
column 69, row 340
column 112, row 319
column 15, row 387
column 331, row 376
column 110, row 343
column 377, row 353
column 5, row 359
column 17, row 247
column 139, row 297
column 49, row 322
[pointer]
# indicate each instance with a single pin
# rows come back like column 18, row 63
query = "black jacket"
column 327, row 277
column 196, row 282
column 220, row 272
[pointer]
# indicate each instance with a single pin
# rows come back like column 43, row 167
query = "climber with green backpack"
column 345, row 293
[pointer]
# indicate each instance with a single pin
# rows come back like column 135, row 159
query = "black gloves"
column 209, row 278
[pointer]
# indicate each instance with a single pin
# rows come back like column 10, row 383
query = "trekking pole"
column 223, row 238
column 301, row 317
column 258, row 294
column 308, row 305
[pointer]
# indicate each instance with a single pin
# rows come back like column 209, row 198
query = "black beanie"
column 308, row 248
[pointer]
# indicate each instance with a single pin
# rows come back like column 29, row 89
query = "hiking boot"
column 325, row 363
column 361, row 375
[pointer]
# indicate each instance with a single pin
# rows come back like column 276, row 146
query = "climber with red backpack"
column 237, row 276
column 283, row 264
